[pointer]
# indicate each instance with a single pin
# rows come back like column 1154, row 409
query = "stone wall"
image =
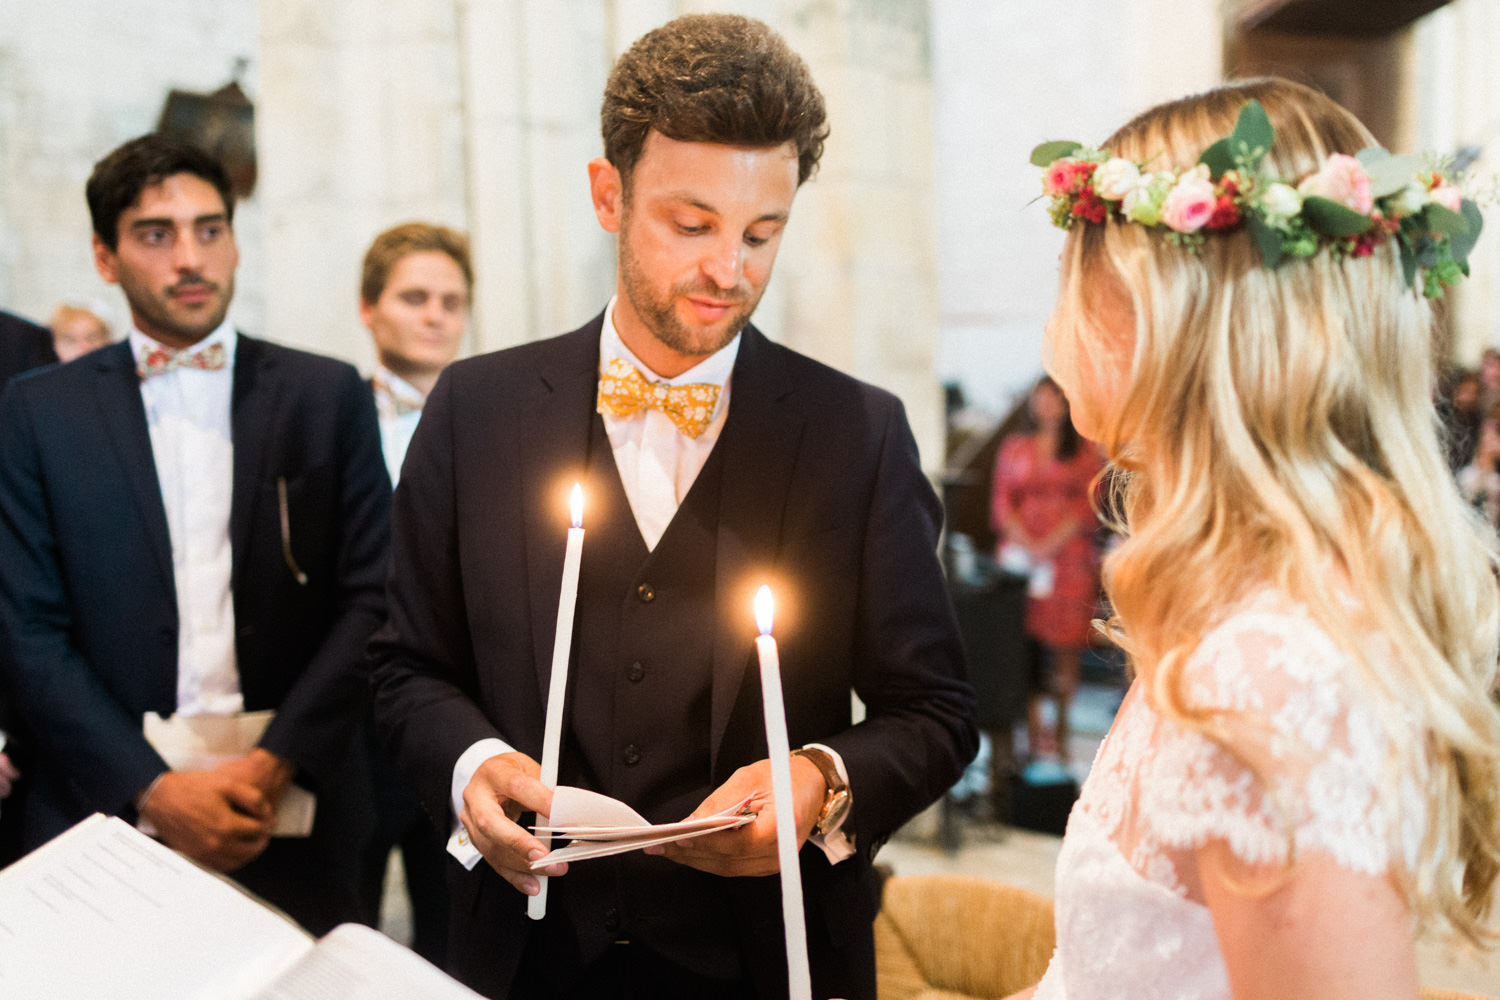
column 77, row 78
column 484, row 114
column 1008, row 76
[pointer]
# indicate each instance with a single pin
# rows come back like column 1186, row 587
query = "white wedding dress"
column 1131, row 922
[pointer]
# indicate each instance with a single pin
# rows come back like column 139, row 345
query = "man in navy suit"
column 193, row 523
column 24, row 345
column 805, row 478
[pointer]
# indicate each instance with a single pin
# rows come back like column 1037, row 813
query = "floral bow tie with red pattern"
column 160, row 360
column 624, row 391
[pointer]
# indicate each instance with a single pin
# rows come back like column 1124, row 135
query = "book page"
column 105, row 911
column 354, row 961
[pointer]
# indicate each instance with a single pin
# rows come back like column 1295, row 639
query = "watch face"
column 833, row 810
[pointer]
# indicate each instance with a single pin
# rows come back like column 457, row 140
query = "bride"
column 1306, row 771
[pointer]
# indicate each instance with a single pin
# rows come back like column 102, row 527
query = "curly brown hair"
column 712, row 78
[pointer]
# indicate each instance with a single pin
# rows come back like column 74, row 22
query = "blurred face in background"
column 75, row 332
column 418, row 320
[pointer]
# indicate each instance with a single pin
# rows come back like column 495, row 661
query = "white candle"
column 562, row 648
column 799, row 981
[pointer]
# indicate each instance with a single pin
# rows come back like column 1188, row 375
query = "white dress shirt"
column 658, row 465
column 188, row 415
column 399, row 406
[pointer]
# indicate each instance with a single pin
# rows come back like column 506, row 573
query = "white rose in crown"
column 1413, row 198
column 1116, row 179
column 1280, row 203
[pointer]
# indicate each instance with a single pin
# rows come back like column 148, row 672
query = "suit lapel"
column 252, row 423
column 558, row 413
column 760, row 442
column 118, row 390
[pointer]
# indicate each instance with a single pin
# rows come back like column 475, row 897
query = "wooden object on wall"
column 221, row 124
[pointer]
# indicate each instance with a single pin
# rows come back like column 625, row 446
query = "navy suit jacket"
column 87, row 598
column 23, row 346
column 822, row 495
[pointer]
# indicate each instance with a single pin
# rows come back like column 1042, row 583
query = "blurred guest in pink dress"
column 1041, row 507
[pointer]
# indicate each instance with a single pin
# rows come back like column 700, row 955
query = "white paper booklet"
column 598, row 825
column 105, row 911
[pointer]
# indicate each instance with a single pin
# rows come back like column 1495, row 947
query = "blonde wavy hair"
column 1276, row 428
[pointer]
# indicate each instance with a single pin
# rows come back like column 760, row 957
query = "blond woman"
column 1304, row 773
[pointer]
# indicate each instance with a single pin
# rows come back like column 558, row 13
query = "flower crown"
column 1351, row 205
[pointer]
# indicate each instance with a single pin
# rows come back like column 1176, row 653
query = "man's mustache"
column 192, row 281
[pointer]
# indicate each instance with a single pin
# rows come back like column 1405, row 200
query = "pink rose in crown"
column 1058, row 178
column 1450, row 196
column 1191, row 202
column 1341, row 179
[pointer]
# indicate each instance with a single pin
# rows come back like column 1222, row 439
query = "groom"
column 713, row 460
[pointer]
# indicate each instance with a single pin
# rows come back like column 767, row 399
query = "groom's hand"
column 502, row 788
column 750, row 849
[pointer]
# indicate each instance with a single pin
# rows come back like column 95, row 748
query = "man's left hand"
column 263, row 769
column 750, row 849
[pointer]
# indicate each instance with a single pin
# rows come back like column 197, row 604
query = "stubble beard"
column 157, row 309
column 659, row 316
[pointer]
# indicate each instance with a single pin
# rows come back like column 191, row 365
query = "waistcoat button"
column 632, row 754
column 635, row 672
column 646, row 593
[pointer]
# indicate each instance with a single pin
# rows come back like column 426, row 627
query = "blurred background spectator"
column 77, row 328
column 1043, row 511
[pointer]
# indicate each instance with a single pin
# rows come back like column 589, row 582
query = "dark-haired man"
column 759, row 465
column 193, row 530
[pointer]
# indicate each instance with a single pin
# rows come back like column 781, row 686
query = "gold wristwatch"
column 836, row 802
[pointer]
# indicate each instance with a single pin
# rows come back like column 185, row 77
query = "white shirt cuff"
column 459, row 844
column 835, row 844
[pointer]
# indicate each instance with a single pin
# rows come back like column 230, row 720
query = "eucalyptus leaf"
column 1445, row 221
column 1391, row 174
column 1252, row 136
column 1048, row 152
column 1408, row 262
column 1267, row 241
column 1332, row 219
column 1219, row 157
column 1459, row 244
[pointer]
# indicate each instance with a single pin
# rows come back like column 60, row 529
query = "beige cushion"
column 952, row 937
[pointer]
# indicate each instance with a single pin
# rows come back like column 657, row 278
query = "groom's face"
column 699, row 228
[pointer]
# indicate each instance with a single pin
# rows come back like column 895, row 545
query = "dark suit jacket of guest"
column 23, row 346
column 822, row 495
column 87, row 598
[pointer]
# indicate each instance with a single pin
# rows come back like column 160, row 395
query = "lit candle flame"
column 765, row 608
column 575, row 505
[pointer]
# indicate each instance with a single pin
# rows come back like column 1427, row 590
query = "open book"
column 105, row 911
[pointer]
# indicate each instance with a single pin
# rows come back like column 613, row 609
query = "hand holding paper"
column 213, row 817
column 599, row 826
column 751, row 849
column 502, row 788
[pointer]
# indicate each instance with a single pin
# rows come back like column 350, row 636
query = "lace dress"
column 1130, row 921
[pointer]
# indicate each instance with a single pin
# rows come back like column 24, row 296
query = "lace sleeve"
column 1310, row 766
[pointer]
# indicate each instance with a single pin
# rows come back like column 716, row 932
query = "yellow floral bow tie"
column 623, row 391
column 160, row 360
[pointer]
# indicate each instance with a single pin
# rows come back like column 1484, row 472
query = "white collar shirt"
column 657, row 463
column 188, row 416
column 399, row 406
